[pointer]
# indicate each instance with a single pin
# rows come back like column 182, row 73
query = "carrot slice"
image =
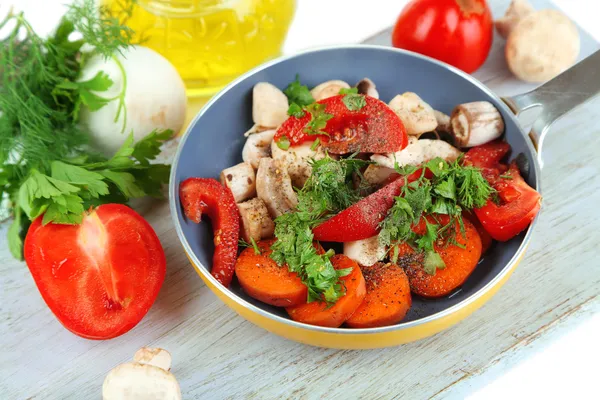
column 388, row 297
column 266, row 281
column 460, row 263
column 318, row 313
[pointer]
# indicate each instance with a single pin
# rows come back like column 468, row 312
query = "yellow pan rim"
column 404, row 332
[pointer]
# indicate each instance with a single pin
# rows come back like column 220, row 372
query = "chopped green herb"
column 506, row 176
column 452, row 189
column 354, row 102
column 349, row 91
column 318, row 119
column 283, row 143
column 296, row 111
column 315, row 144
column 298, row 93
column 328, row 191
column 243, row 243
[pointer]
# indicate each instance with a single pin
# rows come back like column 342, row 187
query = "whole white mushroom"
column 147, row 94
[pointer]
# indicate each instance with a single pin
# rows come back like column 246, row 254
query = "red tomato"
column 487, row 155
column 375, row 128
column 519, row 205
column 101, row 277
column 458, row 32
column 207, row 196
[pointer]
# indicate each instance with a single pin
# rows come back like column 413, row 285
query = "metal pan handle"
column 559, row 96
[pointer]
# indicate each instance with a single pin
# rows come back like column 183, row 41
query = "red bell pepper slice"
column 207, row 196
column 361, row 220
column 519, row 204
column 375, row 128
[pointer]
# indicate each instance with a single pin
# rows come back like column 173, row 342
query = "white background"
column 568, row 356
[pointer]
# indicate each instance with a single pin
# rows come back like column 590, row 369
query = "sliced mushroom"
column 153, row 356
column 476, row 123
column 256, row 222
column 418, row 152
column 269, row 105
column 256, row 129
column 143, row 379
column 376, row 174
column 274, row 187
column 328, row 89
column 517, row 10
column 297, row 160
column 365, row 252
column 443, row 121
column 258, row 146
column 416, row 115
column 367, row 86
column 241, row 180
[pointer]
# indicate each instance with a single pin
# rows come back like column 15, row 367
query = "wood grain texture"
column 219, row 355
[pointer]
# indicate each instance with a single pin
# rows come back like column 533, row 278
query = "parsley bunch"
column 328, row 191
column 45, row 164
column 452, row 189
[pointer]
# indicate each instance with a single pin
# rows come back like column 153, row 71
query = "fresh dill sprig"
column 328, row 191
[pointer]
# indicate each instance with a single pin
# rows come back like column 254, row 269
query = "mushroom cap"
column 542, row 45
column 134, row 381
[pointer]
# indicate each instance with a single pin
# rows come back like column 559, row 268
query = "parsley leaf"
column 318, row 120
column 296, row 111
column 354, row 102
column 353, row 90
column 298, row 93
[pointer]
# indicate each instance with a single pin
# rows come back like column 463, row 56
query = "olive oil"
column 210, row 42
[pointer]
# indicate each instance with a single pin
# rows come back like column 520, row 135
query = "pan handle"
column 558, row 96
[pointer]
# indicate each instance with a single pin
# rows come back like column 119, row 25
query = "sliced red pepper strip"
column 375, row 128
column 361, row 220
column 520, row 203
column 207, row 196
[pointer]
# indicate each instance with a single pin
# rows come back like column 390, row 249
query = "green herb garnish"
column 296, row 111
column 318, row 120
column 315, row 144
column 283, row 143
column 354, row 102
column 452, row 189
column 349, row 91
column 328, row 191
column 298, row 93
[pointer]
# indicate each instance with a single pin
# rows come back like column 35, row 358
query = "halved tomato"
column 487, row 155
column 374, row 128
column 519, row 204
column 101, row 277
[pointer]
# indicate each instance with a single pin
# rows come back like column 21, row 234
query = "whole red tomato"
column 458, row 32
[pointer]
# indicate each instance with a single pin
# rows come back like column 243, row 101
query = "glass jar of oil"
column 210, row 42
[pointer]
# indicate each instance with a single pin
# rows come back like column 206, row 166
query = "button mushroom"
column 241, row 180
column 541, row 44
column 146, row 378
column 416, row 115
column 297, row 160
column 366, row 251
column 328, row 89
column 418, row 152
column 257, row 146
column 476, row 123
column 274, row 187
column 256, row 223
column 367, row 86
column 269, row 105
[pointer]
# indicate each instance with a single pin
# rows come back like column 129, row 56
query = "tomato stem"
column 468, row 7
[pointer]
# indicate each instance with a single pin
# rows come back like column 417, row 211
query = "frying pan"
column 214, row 141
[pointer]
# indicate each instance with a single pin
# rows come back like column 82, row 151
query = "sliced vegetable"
column 101, row 277
column 374, row 128
column 417, row 116
column 458, row 32
column 459, row 260
column 269, row 105
column 519, row 204
column 388, row 297
column 320, row 313
column 255, row 221
column 207, row 196
column 365, row 251
column 328, row 89
column 241, row 180
column 261, row 277
column 361, row 220
column 476, row 123
column 488, row 155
